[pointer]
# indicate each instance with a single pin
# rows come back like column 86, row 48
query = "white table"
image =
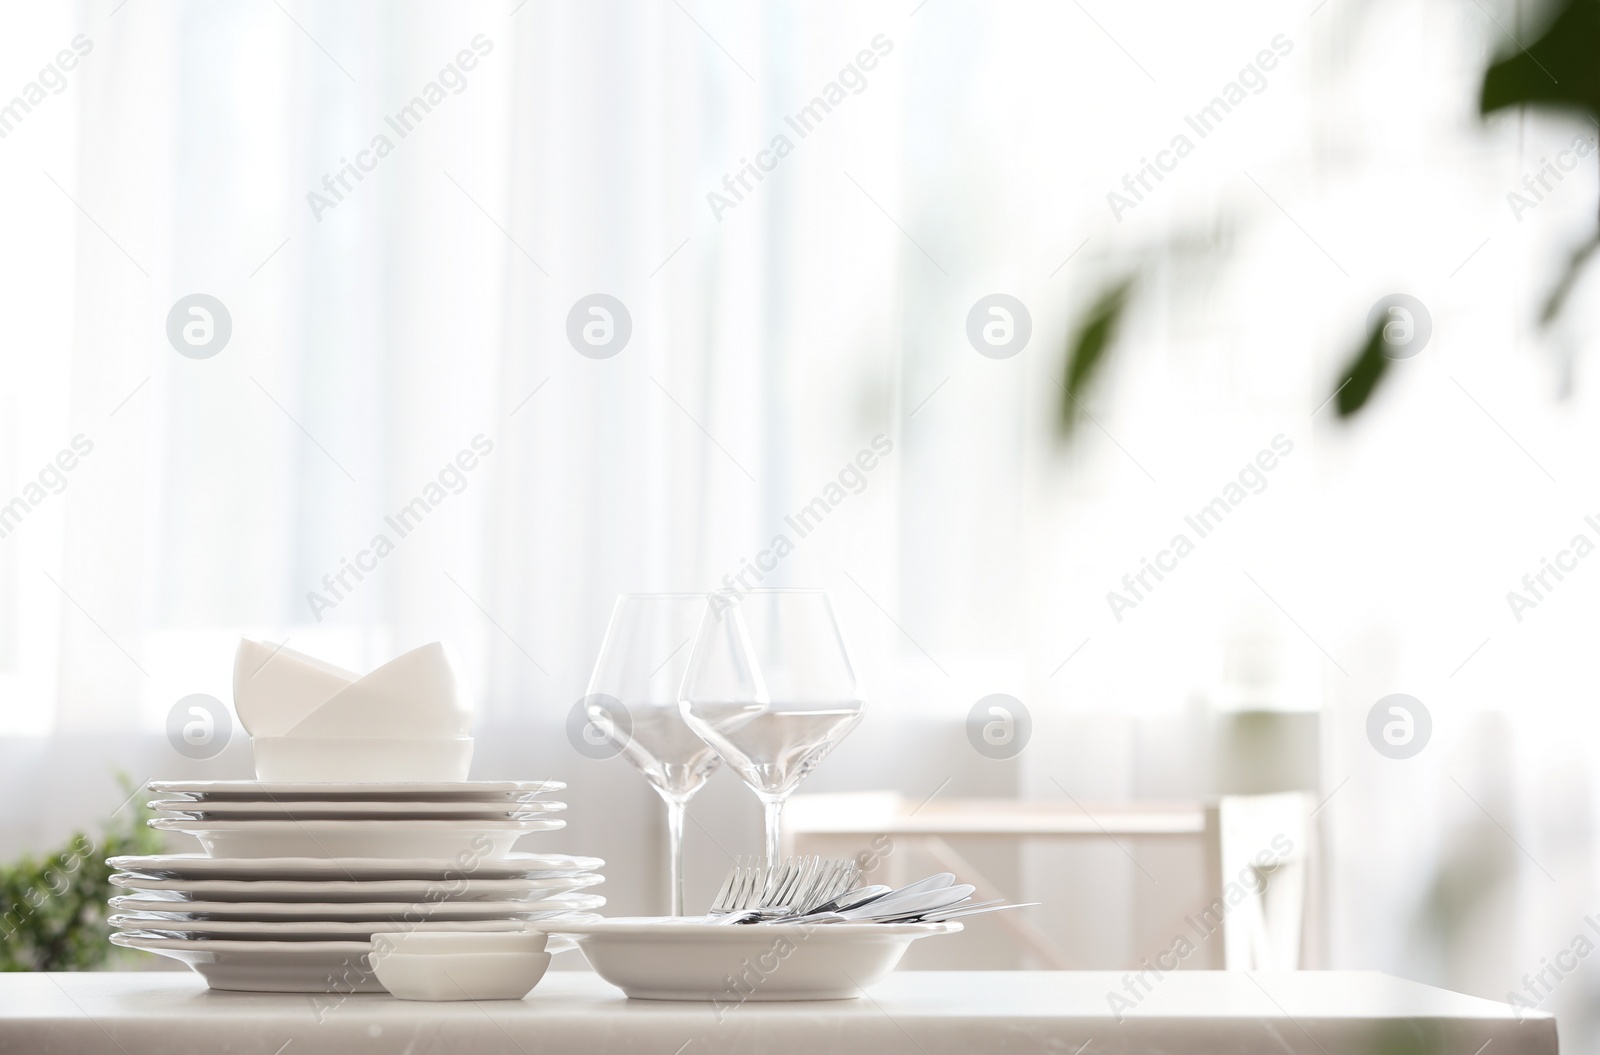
column 913, row 1012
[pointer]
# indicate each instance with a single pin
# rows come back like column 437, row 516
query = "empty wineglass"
column 633, row 698
column 770, row 687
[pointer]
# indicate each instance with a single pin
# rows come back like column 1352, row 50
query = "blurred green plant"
column 53, row 909
column 1558, row 70
column 1360, row 378
column 1088, row 345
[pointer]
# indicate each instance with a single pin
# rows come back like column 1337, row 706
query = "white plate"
column 293, row 891
column 268, row 966
column 346, row 911
column 450, row 790
column 464, row 866
column 332, row 967
column 666, row 958
column 387, row 838
column 353, row 809
column 332, row 930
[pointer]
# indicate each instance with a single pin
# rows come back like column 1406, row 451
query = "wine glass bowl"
column 771, row 688
column 633, row 701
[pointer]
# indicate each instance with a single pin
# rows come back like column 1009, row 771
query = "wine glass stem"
column 675, row 810
column 774, row 812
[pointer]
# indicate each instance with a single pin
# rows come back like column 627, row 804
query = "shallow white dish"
column 357, row 838
column 268, row 966
column 300, row 891
column 344, row 911
column 391, row 790
column 351, row 809
column 413, row 695
column 668, row 958
column 465, row 866
column 366, row 758
column 275, row 687
column 453, row 942
column 460, row 966
column 461, row 975
column 322, row 930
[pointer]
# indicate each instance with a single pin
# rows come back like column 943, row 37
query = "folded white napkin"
column 282, row 693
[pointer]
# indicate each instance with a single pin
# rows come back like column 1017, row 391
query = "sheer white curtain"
column 578, row 153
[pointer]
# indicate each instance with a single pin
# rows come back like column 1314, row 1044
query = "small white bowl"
column 360, row 759
column 413, row 695
column 460, row 965
column 275, row 687
column 461, row 975
column 458, row 942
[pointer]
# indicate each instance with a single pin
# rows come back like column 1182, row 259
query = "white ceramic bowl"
column 319, row 758
column 463, row 965
column 459, row 942
column 275, row 687
column 667, row 958
column 462, row 976
column 411, row 696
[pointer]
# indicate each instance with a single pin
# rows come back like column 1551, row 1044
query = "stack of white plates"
column 297, row 877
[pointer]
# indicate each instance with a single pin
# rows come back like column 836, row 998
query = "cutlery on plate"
column 753, row 893
column 819, row 891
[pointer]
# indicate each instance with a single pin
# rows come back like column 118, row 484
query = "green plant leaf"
column 1358, row 381
column 1087, row 348
column 53, row 909
column 1558, row 68
column 1557, row 297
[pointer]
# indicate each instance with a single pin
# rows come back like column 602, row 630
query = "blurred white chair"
column 1260, row 844
column 1266, row 846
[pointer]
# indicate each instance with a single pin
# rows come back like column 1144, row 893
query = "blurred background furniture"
column 1258, row 852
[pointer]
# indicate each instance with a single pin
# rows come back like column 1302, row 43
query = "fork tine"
column 798, row 884
column 723, row 901
column 746, row 887
column 778, row 879
column 822, row 872
column 804, row 877
column 781, row 882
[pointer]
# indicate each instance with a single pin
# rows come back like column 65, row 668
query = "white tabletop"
column 915, row 1012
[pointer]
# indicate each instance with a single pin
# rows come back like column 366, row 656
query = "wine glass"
column 770, row 687
column 633, row 698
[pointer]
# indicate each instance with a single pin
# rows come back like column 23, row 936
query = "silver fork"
column 795, row 886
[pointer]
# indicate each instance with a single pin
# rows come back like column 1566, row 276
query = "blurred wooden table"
column 909, row 1013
